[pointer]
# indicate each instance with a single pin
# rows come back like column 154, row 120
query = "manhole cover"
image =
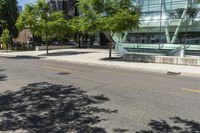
column 63, row 73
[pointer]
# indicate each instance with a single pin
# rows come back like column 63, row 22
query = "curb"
column 127, row 68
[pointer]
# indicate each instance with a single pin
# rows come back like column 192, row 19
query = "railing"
column 165, row 49
column 174, row 51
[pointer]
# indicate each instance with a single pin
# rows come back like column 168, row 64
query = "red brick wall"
column 23, row 36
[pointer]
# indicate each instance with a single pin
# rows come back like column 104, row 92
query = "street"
column 40, row 96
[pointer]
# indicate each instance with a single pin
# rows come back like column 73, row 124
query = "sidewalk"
column 96, row 57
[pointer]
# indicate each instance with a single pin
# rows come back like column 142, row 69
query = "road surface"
column 40, row 96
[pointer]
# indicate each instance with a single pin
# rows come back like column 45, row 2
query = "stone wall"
column 190, row 61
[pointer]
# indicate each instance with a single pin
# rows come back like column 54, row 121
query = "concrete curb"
column 124, row 67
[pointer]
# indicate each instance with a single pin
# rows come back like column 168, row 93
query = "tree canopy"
column 8, row 16
column 5, row 38
column 107, row 16
column 43, row 22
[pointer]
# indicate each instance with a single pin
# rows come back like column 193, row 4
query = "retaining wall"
column 190, row 61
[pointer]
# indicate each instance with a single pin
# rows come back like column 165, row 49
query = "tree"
column 81, row 26
column 5, row 38
column 60, row 26
column 108, row 16
column 8, row 16
column 43, row 22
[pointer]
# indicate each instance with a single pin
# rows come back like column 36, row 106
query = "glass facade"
column 167, row 22
column 67, row 6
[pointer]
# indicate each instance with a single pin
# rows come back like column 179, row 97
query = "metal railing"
column 174, row 51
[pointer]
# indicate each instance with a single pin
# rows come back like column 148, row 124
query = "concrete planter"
column 162, row 59
column 186, row 61
column 168, row 60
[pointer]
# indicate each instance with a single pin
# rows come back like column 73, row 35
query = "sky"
column 23, row 2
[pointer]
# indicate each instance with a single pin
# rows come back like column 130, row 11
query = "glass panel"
column 161, row 18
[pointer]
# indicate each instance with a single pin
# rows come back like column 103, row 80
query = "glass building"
column 166, row 24
column 19, row 8
column 67, row 6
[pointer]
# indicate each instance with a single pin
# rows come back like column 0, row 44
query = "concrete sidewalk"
column 97, row 57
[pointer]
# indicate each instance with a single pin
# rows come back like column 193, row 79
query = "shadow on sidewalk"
column 50, row 108
column 3, row 77
column 113, row 59
column 175, row 125
column 65, row 53
column 23, row 57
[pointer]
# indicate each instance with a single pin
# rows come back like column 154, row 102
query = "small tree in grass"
column 5, row 38
column 108, row 16
column 43, row 22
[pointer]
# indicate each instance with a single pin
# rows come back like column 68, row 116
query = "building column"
column 166, row 22
column 180, row 23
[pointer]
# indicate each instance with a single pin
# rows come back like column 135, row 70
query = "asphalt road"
column 40, row 96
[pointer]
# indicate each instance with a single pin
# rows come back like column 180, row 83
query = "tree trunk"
column 91, row 38
column 111, row 42
column 47, row 46
column 24, row 46
column 7, row 46
column 78, row 40
column 46, row 41
column 110, row 50
column 86, row 40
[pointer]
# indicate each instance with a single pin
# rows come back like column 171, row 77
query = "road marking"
column 57, row 69
column 185, row 89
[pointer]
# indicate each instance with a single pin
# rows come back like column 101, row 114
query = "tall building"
column 168, row 21
column 19, row 9
column 166, row 24
column 67, row 6
column 70, row 10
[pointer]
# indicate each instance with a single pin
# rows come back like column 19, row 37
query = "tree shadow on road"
column 3, row 77
column 120, row 130
column 176, row 125
column 49, row 108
